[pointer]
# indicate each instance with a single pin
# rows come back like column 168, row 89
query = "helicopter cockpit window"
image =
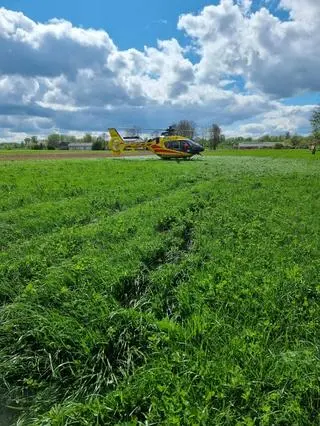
column 182, row 145
column 172, row 145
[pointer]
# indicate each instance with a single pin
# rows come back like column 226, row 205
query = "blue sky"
column 249, row 65
column 130, row 23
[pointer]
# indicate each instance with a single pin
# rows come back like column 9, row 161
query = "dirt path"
column 62, row 155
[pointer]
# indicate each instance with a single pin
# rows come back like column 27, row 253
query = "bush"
column 98, row 145
column 278, row 145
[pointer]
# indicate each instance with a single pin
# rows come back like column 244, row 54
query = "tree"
column 315, row 122
column 99, row 144
column 87, row 138
column 34, row 143
column 214, row 136
column 185, row 128
column 66, row 139
column 295, row 140
column 27, row 142
column 53, row 141
column 133, row 131
column 265, row 138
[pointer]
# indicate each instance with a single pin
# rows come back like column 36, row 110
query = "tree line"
column 210, row 137
column 60, row 141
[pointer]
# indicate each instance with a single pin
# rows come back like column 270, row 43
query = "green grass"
column 31, row 153
column 273, row 153
column 149, row 292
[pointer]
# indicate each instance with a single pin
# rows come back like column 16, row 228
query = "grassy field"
column 160, row 293
column 273, row 153
column 22, row 155
column 29, row 154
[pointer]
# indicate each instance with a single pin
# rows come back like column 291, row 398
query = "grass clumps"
column 188, row 296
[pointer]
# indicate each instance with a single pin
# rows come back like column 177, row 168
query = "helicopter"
column 166, row 146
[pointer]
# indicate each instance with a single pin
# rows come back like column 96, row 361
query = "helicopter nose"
column 199, row 149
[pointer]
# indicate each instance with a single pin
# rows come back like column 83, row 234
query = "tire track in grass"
column 41, row 183
column 55, row 299
column 117, row 208
column 43, row 252
column 43, row 216
column 66, row 213
column 112, row 360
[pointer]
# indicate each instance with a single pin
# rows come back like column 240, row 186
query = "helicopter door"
column 185, row 146
column 173, row 145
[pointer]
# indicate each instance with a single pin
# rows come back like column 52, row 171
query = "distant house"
column 63, row 145
column 80, row 146
column 256, row 145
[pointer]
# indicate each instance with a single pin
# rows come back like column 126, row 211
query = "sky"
column 77, row 66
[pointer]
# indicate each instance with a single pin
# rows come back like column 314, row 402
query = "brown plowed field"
column 62, row 155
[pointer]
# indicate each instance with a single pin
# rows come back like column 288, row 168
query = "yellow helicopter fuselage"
column 165, row 147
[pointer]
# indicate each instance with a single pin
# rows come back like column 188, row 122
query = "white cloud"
column 245, row 5
column 280, row 120
column 51, row 49
column 278, row 58
column 56, row 75
column 287, row 118
column 14, row 89
column 308, row 10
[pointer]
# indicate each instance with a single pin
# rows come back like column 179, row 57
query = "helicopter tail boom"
column 118, row 144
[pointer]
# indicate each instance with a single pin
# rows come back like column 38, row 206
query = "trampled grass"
column 273, row 153
column 150, row 292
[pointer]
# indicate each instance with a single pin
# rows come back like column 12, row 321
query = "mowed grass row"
column 41, row 201
column 197, row 306
column 304, row 154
